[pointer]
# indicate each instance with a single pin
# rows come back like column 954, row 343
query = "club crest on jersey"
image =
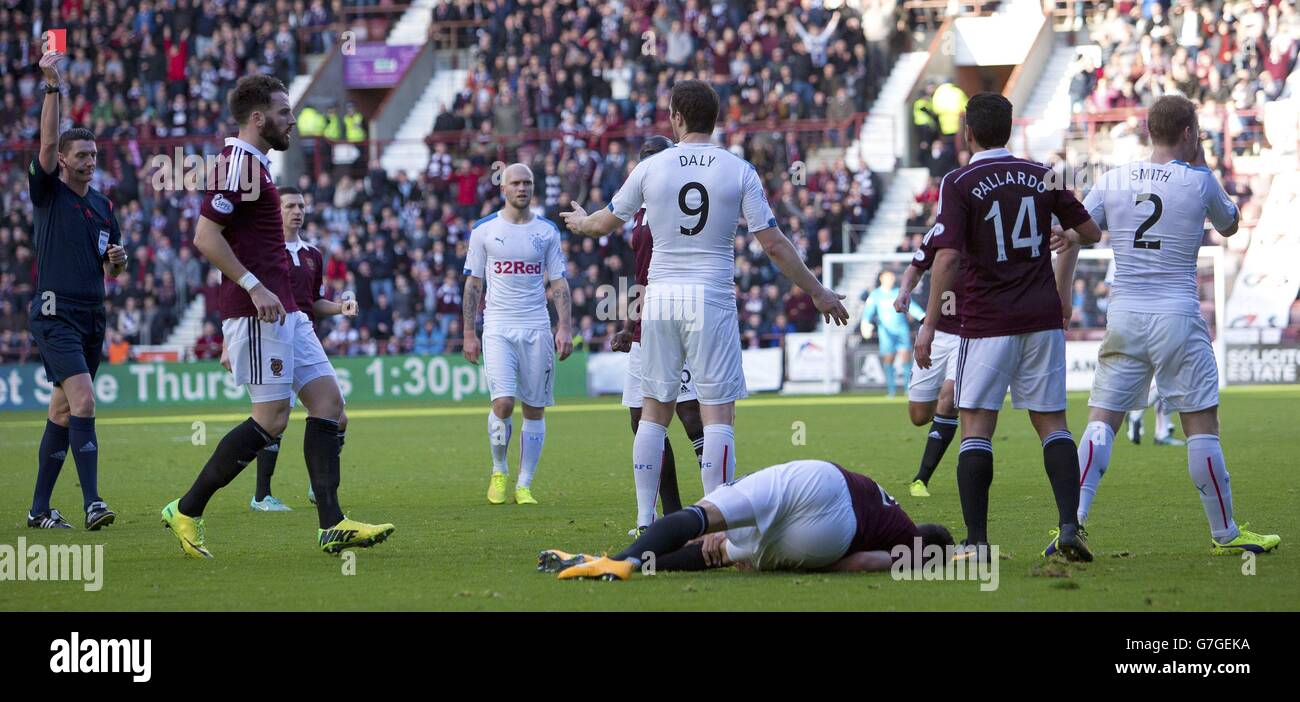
column 538, row 240
column 277, row 366
column 221, row 204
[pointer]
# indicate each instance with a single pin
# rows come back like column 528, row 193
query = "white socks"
column 1094, row 458
column 1210, row 476
column 532, row 438
column 718, row 464
column 499, row 440
column 647, row 465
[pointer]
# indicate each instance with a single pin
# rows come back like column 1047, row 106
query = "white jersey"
column 1156, row 214
column 516, row 260
column 694, row 196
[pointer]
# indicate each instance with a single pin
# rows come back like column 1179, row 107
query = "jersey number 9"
column 702, row 210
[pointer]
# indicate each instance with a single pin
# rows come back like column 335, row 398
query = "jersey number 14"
column 1027, row 214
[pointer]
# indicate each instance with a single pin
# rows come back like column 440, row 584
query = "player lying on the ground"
column 930, row 390
column 78, row 243
column 518, row 255
column 274, row 352
column 306, row 271
column 801, row 515
column 1155, row 211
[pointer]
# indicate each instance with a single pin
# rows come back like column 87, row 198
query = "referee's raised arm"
column 49, row 153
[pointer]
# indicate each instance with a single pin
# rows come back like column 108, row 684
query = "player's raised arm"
column 598, row 223
column 49, row 153
column 1223, row 213
column 209, row 241
column 622, row 207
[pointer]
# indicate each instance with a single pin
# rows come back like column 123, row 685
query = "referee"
column 78, row 242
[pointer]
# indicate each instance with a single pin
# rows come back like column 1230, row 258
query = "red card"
column 56, row 40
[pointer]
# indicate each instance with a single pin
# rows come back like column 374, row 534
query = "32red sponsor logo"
column 516, row 268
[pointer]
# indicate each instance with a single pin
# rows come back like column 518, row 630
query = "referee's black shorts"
column 71, row 341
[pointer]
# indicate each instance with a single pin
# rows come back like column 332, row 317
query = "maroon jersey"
column 642, row 248
column 923, row 259
column 997, row 211
column 306, row 274
column 253, row 226
column 882, row 524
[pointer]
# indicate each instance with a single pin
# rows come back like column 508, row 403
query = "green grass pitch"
column 425, row 468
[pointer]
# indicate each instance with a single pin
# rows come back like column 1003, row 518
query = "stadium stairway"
column 884, row 131
column 409, row 152
column 190, row 326
column 1048, row 109
column 413, row 26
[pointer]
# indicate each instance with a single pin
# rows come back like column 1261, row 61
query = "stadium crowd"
column 397, row 243
column 138, row 71
column 571, row 90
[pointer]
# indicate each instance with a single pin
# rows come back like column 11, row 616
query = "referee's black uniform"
column 72, row 235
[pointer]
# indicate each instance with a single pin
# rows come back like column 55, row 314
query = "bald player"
column 518, row 255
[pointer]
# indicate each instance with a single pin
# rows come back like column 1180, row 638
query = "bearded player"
column 273, row 348
column 306, row 269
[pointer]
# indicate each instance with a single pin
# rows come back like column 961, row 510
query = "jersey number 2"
column 1138, row 241
column 1027, row 212
column 702, row 210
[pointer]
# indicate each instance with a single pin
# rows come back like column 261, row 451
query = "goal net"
column 852, row 359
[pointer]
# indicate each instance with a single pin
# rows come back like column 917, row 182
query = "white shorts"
column 632, row 394
column 1032, row 365
column 1175, row 348
column 274, row 360
column 520, row 363
column 796, row 515
column 709, row 346
column 927, row 382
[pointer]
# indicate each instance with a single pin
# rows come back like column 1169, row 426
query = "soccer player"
column 801, row 515
column 306, row 271
column 628, row 340
column 892, row 329
column 694, row 194
column 273, row 349
column 930, row 390
column 78, row 242
column 994, row 220
column 518, row 254
column 1155, row 211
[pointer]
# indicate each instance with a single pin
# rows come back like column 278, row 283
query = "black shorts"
column 71, row 341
